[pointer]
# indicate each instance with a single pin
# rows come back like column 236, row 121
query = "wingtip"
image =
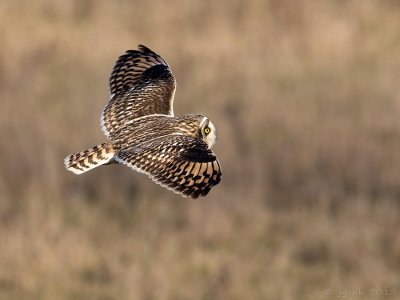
column 144, row 48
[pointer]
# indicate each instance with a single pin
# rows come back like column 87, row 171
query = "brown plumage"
column 145, row 135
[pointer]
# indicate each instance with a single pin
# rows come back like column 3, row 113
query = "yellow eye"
column 207, row 130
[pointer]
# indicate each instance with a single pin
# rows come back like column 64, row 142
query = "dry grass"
column 306, row 101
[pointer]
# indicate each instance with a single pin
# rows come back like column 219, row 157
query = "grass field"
column 306, row 100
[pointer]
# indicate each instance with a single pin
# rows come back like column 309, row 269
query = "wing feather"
column 180, row 163
column 141, row 84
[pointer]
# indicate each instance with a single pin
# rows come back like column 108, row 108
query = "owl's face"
column 208, row 132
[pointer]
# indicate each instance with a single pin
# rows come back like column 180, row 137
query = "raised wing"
column 141, row 83
column 179, row 163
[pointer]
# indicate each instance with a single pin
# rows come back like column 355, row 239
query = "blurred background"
column 306, row 100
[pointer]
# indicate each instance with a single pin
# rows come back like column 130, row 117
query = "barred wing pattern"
column 144, row 134
column 180, row 163
column 141, row 83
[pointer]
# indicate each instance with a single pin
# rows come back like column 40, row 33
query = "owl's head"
column 208, row 132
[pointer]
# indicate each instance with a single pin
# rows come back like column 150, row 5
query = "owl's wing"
column 141, row 83
column 179, row 163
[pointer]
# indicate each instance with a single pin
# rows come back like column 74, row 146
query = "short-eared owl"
column 144, row 134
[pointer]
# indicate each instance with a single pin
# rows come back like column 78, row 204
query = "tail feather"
column 84, row 161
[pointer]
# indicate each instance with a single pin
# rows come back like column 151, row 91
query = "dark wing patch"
column 182, row 164
column 134, row 66
column 141, row 83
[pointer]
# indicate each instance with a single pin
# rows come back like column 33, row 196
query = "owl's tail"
column 84, row 161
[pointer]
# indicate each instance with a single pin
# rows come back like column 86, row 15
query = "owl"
column 144, row 134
